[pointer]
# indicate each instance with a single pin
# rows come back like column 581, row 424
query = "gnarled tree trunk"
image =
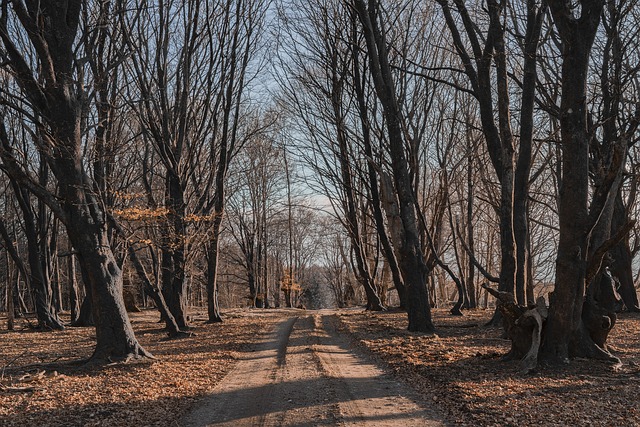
column 53, row 91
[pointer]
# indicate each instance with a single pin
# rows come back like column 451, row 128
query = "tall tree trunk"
column 174, row 285
column 411, row 258
column 535, row 18
column 471, row 272
column 38, row 278
column 373, row 181
column 47, row 318
column 565, row 334
column 507, row 156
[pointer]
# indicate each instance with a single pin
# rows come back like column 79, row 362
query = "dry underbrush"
column 39, row 387
column 460, row 370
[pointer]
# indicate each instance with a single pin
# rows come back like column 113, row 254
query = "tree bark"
column 373, row 182
column 621, row 263
column 535, row 17
column 156, row 295
column 53, row 92
column 38, row 278
column 174, row 285
column 471, row 273
column 213, row 307
column 74, row 298
column 411, row 258
column 565, row 334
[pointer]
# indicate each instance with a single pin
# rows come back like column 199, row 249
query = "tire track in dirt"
column 307, row 374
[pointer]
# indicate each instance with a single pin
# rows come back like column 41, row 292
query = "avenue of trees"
column 282, row 153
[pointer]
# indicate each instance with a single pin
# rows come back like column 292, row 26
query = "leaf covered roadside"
column 459, row 370
column 39, row 387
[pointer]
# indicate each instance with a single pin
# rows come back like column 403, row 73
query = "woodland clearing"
column 458, row 370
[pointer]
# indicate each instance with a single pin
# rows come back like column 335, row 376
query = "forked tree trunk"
column 87, row 230
column 565, row 333
column 53, row 92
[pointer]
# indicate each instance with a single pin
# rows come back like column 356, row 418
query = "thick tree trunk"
column 87, row 230
column 174, row 285
column 114, row 334
column 565, row 334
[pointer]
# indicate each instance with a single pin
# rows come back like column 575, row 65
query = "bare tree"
column 410, row 253
column 50, row 87
column 577, row 326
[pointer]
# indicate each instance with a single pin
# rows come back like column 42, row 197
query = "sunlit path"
column 307, row 374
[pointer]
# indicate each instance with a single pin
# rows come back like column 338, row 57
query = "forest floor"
column 458, row 372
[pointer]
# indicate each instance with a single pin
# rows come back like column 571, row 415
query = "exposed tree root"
column 523, row 326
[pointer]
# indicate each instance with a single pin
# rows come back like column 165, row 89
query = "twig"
column 19, row 389
column 4, row 368
column 475, row 262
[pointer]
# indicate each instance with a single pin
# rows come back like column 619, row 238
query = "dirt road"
column 307, row 374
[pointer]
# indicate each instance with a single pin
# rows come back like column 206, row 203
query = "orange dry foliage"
column 288, row 283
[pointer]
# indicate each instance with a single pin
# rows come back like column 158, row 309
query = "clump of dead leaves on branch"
column 41, row 386
column 459, row 369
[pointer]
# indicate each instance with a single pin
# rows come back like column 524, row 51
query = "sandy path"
column 307, row 374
